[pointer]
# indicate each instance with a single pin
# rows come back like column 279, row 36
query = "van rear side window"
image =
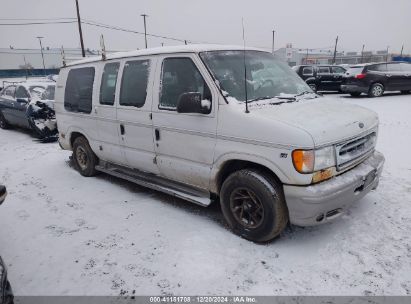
column 134, row 83
column 79, row 90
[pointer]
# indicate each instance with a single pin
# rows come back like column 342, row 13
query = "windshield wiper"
column 260, row 98
column 305, row 93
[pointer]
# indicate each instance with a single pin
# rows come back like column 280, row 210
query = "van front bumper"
column 319, row 203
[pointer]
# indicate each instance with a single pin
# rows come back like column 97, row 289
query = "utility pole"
column 386, row 59
column 402, row 49
column 26, row 67
column 335, row 50
column 185, row 42
column 42, row 55
column 273, row 41
column 83, row 53
column 145, row 27
column 362, row 53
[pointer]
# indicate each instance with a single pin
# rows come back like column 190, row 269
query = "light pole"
column 273, row 41
column 386, row 59
column 145, row 27
column 335, row 50
column 42, row 55
column 362, row 53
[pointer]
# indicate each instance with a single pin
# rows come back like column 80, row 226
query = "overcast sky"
column 305, row 24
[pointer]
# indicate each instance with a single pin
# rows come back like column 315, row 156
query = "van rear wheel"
column 253, row 205
column 84, row 158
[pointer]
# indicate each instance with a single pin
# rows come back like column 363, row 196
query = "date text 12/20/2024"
column 203, row 299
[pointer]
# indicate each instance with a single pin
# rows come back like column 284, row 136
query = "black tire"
column 376, row 90
column 3, row 122
column 262, row 190
column 84, row 158
column 355, row 94
column 313, row 86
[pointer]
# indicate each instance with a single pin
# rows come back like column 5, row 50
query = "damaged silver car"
column 29, row 105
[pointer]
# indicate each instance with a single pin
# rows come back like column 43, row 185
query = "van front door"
column 184, row 142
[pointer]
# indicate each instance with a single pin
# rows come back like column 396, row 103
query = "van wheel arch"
column 232, row 166
column 74, row 136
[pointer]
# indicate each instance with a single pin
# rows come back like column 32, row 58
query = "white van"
column 186, row 121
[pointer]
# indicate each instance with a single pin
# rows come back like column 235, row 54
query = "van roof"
column 191, row 48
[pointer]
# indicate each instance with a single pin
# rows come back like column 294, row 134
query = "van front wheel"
column 253, row 205
column 84, row 158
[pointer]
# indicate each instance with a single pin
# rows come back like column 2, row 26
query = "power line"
column 130, row 31
column 37, row 19
column 94, row 23
column 35, row 23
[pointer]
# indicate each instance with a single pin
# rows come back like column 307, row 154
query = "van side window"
column 179, row 76
column 133, row 90
column 79, row 90
column 108, row 83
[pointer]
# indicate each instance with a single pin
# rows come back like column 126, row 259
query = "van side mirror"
column 192, row 103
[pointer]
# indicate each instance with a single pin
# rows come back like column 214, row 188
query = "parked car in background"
column 192, row 122
column 374, row 79
column 321, row 77
column 29, row 105
column 3, row 194
column 6, row 293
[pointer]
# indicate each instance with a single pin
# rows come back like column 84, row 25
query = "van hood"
column 326, row 120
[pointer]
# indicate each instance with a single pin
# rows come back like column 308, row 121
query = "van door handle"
column 122, row 130
column 157, row 133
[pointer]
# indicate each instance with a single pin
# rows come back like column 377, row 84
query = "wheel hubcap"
column 246, row 208
column 81, row 157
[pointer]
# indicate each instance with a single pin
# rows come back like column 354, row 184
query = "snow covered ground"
column 63, row 234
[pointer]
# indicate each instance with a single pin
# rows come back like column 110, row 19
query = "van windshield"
column 267, row 77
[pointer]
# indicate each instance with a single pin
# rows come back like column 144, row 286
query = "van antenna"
column 245, row 71
column 103, row 48
column 63, row 56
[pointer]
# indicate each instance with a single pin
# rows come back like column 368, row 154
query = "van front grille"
column 354, row 151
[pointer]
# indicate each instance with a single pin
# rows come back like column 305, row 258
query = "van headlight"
column 310, row 161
